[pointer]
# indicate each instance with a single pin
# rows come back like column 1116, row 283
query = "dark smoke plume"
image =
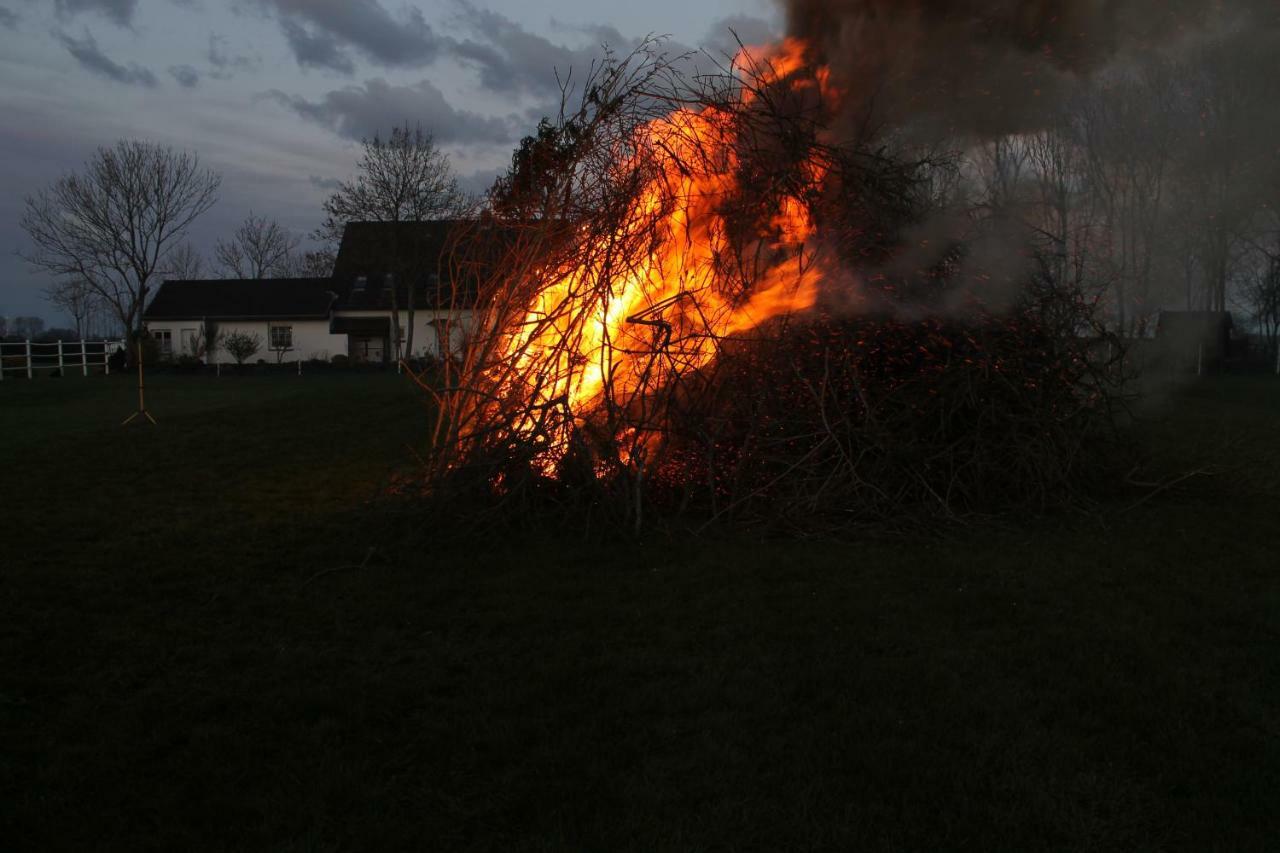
column 990, row 67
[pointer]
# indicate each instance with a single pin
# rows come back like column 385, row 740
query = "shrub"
column 340, row 360
column 242, row 346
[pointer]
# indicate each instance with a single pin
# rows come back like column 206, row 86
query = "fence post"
column 29, row 358
column 84, row 358
column 61, row 369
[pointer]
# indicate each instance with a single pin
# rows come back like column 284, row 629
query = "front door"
column 363, row 349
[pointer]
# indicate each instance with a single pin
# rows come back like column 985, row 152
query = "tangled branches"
column 657, row 329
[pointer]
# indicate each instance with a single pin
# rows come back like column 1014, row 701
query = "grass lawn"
column 180, row 669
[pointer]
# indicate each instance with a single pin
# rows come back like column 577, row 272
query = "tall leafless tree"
column 78, row 300
column 314, row 263
column 184, row 262
column 259, row 248
column 112, row 224
column 404, row 178
column 1227, row 165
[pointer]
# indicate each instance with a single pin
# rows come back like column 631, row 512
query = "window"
column 164, row 342
column 282, row 337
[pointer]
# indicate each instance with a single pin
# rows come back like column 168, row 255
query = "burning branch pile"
column 659, row 321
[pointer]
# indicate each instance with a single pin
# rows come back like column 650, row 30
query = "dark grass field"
column 195, row 652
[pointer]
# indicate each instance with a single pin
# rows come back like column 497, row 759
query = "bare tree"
column 316, row 263
column 1226, row 169
column 184, row 262
column 1260, row 291
column 26, row 327
column 113, row 224
column 404, row 178
column 75, row 297
column 1128, row 122
column 259, row 248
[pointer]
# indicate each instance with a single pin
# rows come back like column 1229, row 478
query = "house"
column 347, row 314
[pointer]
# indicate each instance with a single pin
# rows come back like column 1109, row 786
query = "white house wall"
column 311, row 338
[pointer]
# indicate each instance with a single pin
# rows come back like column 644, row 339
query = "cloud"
column 477, row 183
column 720, row 39
column 223, row 62
column 8, row 18
column 510, row 59
column 357, row 112
column 86, row 52
column 326, row 184
column 119, row 11
column 316, row 48
column 186, row 76
column 404, row 40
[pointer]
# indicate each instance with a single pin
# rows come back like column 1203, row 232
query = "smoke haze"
column 989, row 68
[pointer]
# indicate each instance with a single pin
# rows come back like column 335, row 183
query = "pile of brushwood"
column 905, row 392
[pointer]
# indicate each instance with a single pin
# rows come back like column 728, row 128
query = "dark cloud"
column 314, row 48
column 86, row 52
column 477, row 183
column 119, row 11
column 510, row 59
column 8, row 18
column 186, row 76
column 224, row 63
column 326, row 184
column 357, row 112
column 404, row 40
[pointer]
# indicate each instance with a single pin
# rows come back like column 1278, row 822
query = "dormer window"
column 361, row 283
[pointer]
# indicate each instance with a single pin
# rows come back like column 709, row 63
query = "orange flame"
column 666, row 310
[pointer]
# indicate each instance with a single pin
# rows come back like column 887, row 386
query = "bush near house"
column 242, row 346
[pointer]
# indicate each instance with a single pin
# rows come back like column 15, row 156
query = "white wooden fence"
column 26, row 358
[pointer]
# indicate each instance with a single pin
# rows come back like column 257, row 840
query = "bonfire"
column 677, row 308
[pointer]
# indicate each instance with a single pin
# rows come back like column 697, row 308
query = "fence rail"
column 25, row 358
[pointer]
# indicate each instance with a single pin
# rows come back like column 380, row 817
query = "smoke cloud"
column 990, row 67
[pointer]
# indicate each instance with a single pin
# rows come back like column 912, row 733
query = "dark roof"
column 298, row 298
column 426, row 253
column 373, row 327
